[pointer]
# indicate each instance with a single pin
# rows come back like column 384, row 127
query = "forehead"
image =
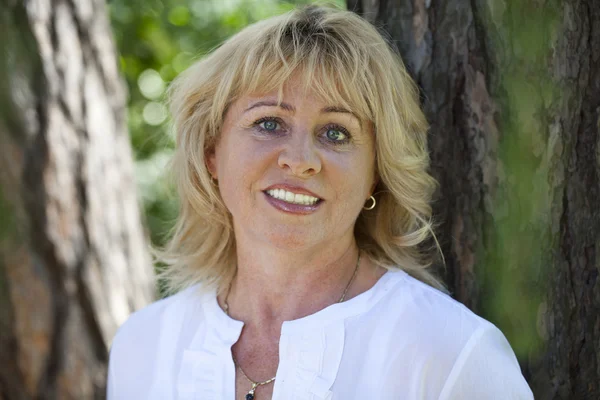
column 290, row 96
column 328, row 90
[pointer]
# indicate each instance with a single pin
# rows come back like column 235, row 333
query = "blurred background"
column 511, row 89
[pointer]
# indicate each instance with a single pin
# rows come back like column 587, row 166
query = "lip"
column 293, row 189
column 290, row 208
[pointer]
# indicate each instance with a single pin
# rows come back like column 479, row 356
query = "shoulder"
column 136, row 348
column 149, row 319
column 486, row 368
column 447, row 325
column 462, row 354
column 428, row 311
column 420, row 320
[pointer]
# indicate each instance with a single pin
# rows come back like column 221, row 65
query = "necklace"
column 250, row 394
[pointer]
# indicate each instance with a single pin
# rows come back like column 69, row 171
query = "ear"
column 211, row 163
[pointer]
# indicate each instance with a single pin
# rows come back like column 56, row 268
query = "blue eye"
column 335, row 135
column 269, row 125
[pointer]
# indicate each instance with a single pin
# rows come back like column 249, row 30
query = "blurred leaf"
column 179, row 16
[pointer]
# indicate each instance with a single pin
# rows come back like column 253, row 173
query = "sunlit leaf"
column 179, row 16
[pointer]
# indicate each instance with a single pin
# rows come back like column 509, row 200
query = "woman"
column 301, row 164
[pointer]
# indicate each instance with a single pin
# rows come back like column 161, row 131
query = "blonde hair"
column 344, row 60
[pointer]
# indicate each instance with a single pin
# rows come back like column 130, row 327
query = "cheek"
column 351, row 185
column 241, row 150
column 241, row 169
column 354, row 175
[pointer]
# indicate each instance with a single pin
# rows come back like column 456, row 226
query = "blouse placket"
column 310, row 353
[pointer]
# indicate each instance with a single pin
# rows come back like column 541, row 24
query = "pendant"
column 250, row 395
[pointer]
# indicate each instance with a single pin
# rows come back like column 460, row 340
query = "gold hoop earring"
column 372, row 206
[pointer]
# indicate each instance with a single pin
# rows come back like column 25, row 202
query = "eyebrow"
column 268, row 103
column 289, row 107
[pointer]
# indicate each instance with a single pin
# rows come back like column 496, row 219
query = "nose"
column 300, row 156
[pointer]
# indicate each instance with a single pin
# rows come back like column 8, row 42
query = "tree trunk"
column 512, row 91
column 73, row 259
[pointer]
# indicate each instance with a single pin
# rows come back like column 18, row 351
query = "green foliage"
column 523, row 233
column 158, row 39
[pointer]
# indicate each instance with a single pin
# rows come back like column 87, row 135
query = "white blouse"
column 401, row 339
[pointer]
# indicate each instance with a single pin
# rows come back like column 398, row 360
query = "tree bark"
column 512, row 91
column 73, row 259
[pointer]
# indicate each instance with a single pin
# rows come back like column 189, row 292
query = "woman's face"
column 294, row 175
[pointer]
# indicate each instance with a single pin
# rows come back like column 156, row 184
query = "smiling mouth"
column 293, row 198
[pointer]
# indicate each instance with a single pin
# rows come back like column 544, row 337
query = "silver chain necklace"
column 250, row 394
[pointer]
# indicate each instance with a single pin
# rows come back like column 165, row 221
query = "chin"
column 292, row 241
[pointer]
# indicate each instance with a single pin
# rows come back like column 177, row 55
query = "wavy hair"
column 344, row 60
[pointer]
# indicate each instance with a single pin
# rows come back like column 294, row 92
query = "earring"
column 214, row 181
column 372, row 206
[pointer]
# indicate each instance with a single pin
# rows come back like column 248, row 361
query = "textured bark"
column 512, row 91
column 73, row 258
column 443, row 53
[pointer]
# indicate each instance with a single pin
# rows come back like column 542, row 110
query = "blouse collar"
column 319, row 339
column 230, row 329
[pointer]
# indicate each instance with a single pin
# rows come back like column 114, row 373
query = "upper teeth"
column 290, row 197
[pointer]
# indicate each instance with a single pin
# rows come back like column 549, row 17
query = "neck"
column 271, row 287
